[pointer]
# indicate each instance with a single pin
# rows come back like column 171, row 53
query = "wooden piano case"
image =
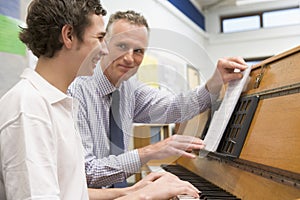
column 268, row 164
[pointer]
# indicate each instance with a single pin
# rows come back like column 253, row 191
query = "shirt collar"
column 51, row 93
column 104, row 86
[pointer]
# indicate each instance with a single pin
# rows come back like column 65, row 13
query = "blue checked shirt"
column 139, row 103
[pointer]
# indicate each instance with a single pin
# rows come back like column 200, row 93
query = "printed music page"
column 222, row 116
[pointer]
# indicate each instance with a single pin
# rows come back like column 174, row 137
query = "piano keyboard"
column 209, row 191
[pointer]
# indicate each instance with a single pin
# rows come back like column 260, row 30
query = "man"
column 41, row 154
column 127, row 39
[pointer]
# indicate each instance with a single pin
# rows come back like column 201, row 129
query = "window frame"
column 249, row 14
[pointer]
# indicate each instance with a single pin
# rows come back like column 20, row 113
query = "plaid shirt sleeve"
column 154, row 106
column 101, row 170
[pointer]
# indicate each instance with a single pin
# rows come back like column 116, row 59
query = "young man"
column 41, row 154
column 127, row 39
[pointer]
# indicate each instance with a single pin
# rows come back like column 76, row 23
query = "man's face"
column 93, row 46
column 126, row 44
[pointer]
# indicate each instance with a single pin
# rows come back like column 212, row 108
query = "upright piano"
column 259, row 154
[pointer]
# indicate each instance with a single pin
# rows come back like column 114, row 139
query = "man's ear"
column 67, row 35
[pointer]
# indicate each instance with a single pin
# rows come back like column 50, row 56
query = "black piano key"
column 214, row 194
column 218, row 198
column 221, row 198
column 208, row 188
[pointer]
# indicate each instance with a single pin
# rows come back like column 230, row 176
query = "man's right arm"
column 100, row 171
column 107, row 170
column 112, row 169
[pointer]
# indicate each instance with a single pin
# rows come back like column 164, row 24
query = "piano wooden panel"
column 193, row 127
column 273, row 138
column 280, row 71
column 274, row 135
column 243, row 184
column 272, row 145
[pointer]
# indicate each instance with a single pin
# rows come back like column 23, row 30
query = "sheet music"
column 222, row 116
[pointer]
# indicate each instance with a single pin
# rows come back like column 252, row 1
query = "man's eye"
column 122, row 46
column 139, row 51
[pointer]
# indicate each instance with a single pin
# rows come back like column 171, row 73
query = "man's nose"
column 129, row 57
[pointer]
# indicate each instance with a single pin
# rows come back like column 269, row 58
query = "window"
column 255, row 60
column 265, row 19
column 281, row 17
column 241, row 24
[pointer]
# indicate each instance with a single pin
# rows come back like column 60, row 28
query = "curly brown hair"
column 130, row 16
column 46, row 18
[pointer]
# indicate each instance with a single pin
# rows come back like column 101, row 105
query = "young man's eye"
column 101, row 38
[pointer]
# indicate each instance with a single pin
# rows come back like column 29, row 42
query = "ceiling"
column 207, row 4
column 210, row 4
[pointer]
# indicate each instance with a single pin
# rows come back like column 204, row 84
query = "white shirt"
column 41, row 155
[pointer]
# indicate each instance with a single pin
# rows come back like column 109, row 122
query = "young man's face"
column 93, row 46
column 126, row 44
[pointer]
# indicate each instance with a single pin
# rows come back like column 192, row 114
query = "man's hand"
column 228, row 69
column 176, row 145
column 162, row 186
column 147, row 180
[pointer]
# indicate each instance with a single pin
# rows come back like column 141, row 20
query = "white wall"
column 11, row 68
column 23, row 11
column 160, row 14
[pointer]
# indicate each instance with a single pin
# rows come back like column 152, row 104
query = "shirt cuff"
column 131, row 162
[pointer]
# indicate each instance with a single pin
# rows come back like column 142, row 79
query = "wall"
column 171, row 30
column 174, row 32
column 13, row 53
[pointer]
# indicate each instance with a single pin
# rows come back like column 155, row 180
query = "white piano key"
column 185, row 197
